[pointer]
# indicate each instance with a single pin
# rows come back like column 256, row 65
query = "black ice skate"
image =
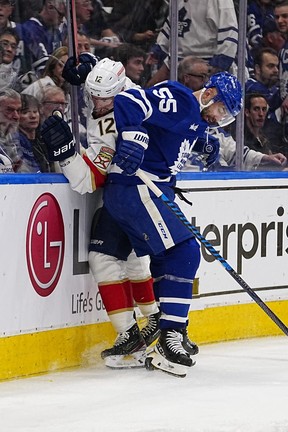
column 151, row 331
column 129, row 350
column 169, row 354
column 189, row 345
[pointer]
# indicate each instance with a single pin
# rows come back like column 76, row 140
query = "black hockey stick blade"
column 174, row 208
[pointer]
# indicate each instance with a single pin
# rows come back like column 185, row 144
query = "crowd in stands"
column 34, row 48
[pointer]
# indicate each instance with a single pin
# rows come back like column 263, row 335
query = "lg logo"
column 45, row 244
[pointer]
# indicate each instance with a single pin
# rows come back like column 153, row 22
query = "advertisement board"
column 45, row 281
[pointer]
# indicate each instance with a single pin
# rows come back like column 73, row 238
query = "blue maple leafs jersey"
column 171, row 115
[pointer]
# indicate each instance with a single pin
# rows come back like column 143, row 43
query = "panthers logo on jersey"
column 104, row 158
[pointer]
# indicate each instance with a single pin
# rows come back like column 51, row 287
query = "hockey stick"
column 146, row 180
column 72, row 50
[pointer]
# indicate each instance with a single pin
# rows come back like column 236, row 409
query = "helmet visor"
column 216, row 114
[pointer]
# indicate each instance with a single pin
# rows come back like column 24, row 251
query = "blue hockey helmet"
column 229, row 91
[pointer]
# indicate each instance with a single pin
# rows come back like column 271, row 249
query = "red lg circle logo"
column 45, row 244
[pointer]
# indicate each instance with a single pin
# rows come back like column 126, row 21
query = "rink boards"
column 51, row 313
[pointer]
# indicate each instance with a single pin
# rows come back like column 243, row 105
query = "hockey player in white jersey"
column 121, row 279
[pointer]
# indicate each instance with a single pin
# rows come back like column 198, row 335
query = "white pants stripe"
column 155, row 216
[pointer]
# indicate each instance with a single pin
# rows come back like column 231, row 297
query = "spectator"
column 193, row 72
column 252, row 160
column 266, row 82
column 271, row 36
column 26, row 9
column 257, row 12
column 266, row 77
column 52, row 74
column 52, row 98
column 137, row 22
column 91, row 21
column 34, row 149
column 207, row 30
column 10, row 106
column 256, row 108
column 41, row 34
column 9, row 41
column 133, row 59
column 6, row 10
column 84, row 43
column 281, row 17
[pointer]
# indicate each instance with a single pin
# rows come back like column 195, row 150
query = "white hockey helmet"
column 106, row 79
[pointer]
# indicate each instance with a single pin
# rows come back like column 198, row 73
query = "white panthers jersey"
column 88, row 172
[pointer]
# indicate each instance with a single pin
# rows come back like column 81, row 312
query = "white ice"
column 239, row 386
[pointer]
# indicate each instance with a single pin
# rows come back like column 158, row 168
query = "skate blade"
column 156, row 361
column 135, row 360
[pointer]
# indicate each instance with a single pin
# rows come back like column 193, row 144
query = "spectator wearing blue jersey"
column 159, row 128
column 257, row 12
column 25, row 9
column 41, row 34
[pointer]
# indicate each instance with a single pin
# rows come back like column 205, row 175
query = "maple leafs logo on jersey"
column 183, row 154
column 183, row 23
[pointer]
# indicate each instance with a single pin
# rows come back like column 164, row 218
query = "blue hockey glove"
column 132, row 143
column 77, row 74
column 58, row 138
column 205, row 152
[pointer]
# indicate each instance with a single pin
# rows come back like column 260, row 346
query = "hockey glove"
column 76, row 74
column 58, row 138
column 132, row 144
column 205, row 152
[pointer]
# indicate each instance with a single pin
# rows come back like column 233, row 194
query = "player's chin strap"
column 180, row 216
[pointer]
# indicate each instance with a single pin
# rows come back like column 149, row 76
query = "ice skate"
column 169, row 354
column 151, row 331
column 128, row 351
column 189, row 346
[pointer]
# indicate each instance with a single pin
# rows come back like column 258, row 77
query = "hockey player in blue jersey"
column 158, row 130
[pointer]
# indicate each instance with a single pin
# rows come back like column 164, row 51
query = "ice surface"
column 237, row 386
